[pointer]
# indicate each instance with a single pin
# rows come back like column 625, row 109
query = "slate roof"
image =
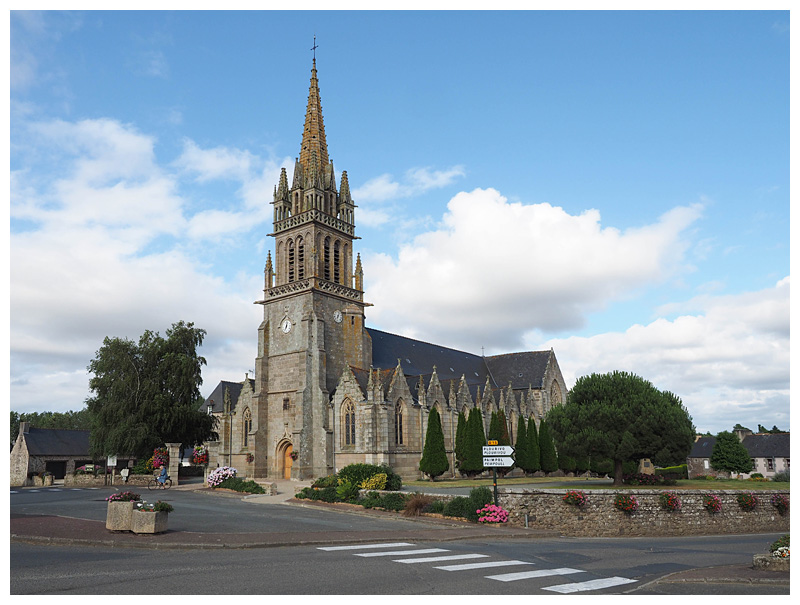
column 217, row 396
column 418, row 358
column 57, row 442
column 521, row 370
column 760, row 445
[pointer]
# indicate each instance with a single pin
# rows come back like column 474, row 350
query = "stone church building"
column 329, row 391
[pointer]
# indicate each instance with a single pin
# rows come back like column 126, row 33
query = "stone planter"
column 118, row 515
column 770, row 563
column 143, row 522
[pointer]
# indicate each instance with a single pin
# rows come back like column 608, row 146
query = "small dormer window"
column 210, row 409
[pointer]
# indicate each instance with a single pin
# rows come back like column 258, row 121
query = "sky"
column 611, row 185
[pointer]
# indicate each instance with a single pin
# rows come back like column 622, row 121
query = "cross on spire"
column 315, row 47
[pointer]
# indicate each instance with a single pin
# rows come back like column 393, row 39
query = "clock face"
column 337, row 316
column 286, row 325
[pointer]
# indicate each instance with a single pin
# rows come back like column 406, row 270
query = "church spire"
column 314, row 128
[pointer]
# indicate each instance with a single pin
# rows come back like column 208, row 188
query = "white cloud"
column 376, row 192
column 494, row 270
column 729, row 362
column 216, row 163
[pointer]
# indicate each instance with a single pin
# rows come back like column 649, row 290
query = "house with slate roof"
column 328, row 390
column 58, row 451
column 769, row 452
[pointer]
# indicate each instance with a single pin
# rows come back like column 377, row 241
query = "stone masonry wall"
column 598, row 517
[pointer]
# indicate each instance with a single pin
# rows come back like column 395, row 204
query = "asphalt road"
column 548, row 566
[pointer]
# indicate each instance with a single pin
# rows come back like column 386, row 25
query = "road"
column 479, row 567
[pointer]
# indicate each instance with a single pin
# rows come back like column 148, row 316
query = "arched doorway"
column 286, row 461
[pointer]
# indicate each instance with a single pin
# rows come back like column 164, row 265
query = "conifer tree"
column 730, row 455
column 521, row 445
column 494, row 428
column 547, row 449
column 434, row 457
column 476, row 439
column 534, row 455
column 504, row 438
column 461, row 439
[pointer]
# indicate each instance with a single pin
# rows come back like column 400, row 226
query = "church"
column 329, row 391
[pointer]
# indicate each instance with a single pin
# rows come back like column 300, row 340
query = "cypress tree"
column 461, row 438
column 434, row 457
column 547, row 449
column 494, row 428
column 534, row 456
column 476, row 439
column 521, row 446
column 503, row 439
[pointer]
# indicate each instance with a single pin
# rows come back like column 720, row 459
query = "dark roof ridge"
column 425, row 342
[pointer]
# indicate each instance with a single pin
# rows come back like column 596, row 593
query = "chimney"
column 24, row 427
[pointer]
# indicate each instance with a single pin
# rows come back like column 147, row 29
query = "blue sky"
column 614, row 185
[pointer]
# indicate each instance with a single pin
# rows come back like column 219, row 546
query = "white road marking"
column 589, row 585
column 443, row 558
column 401, row 553
column 482, row 564
column 359, row 546
column 539, row 573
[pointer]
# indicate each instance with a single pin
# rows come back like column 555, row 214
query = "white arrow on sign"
column 497, row 450
column 498, row 461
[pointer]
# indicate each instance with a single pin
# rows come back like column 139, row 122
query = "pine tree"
column 461, row 439
column 547, row 449
column 434, row 457
column 521, row 446
column 534, row 455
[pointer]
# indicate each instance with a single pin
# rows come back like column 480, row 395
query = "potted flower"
column 249, row 457
column 200, row 455
column 781, row 502
column 150, row 518
column 218, row 475
column 670, row 501
column 747, row 501
column 294, row 455
column 712, row 503
column 120, row 510
column 626, row 503
column 575, row 498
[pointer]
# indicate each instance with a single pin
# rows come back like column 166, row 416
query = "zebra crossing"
column 49, row 490
column 409, row 553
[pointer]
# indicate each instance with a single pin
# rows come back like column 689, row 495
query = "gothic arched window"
column 291, row 260
column 336, row 263
column 326, row 259
column 555, row 394
column 247, row 426
column 349, row 423
column 398, row 423
column 301, row 269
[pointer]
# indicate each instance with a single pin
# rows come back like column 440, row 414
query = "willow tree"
column 146, row 394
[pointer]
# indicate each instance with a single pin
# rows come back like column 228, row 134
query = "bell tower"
column 313, row 325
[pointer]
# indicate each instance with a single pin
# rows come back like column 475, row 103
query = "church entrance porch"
column 285, row 451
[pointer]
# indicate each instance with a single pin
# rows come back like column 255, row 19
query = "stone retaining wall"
column 90, row 480
column 545, row 509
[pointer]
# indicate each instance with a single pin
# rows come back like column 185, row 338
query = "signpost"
column 495, row 456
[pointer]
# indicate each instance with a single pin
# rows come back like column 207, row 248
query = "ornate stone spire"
column 314, row 129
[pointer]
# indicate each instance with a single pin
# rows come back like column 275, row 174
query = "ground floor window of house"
column 770, row 464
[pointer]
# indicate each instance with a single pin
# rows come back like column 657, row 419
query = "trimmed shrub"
column 457, row 507
column 240, row 485
column 674, row 472
column 436, row 506
column 375, row 482
column 393, row 501
column 358, row 473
